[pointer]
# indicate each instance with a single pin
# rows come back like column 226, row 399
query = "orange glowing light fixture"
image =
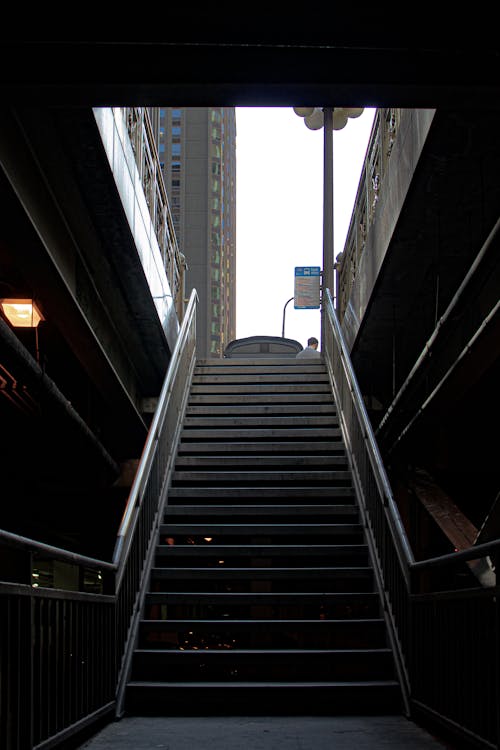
column 21, row 313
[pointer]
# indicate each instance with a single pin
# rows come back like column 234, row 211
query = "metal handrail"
column 146, row 460
column 101, row 643
column 55, row 553
column 386, row 537
column 475, row 552
column 436, row 625
column 399, row 534
column 428, row 348
column 136, row 541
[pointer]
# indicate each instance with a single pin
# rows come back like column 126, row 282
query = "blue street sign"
column 307, row 287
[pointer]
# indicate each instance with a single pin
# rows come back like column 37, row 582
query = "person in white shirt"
column 311, row 349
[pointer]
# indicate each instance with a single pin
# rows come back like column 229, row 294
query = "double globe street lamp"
column 330, row 119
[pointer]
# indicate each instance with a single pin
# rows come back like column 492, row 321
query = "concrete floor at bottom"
column 264, row 733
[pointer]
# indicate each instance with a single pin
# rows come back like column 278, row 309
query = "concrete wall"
column 413, row 131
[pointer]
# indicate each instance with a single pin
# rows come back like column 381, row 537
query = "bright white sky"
column 279, row 199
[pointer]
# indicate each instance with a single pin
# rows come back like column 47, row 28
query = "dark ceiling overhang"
column 365, row 57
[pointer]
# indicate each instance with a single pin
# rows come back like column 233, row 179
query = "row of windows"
column 220, row 294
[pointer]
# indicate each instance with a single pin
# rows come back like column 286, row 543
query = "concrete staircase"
column 262, row 594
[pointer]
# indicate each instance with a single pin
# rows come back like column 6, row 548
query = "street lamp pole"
column 284, row 310
column 330, row 119
column 328, row 239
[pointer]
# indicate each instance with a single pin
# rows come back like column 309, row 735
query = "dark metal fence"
column 446, row 639
column 454, row 650
column 64, row 654
column 57, row 656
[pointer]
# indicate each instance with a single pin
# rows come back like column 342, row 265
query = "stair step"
column 274, row 494
column 239, row 478
column 203, row 513
column 327, row 698
column 259, row 388
column 262, row 633
column 250, row 462
column 287, row 410
column 245, row 530
column 285, row 399
column 294, row 367
column 237, row 605
column 277, row 580
column 265, row 378
column 278, row 447
column 241, row 555
column 246, row 421
column 258, row 664
column 257, row 362
column 266, row 433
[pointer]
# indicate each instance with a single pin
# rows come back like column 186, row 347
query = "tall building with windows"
column 197, row 148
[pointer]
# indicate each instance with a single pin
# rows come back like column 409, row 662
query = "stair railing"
column 57, row 657
column 66, row 649
column 454, row 651
column 136, row 538
column 443, row 626
column 389, row 545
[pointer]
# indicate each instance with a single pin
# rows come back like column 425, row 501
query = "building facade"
column 197, row 148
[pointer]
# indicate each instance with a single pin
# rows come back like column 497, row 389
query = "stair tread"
column 320, row 376
column 259, row 548
column 251, row 447
column 292, row 366
column 176, row 653
column 269, row 409
column 254, row 621
column 298, row 597
column 270, row 420
column 250, row 362
column 262, row 460
column 235, row 491
column 351, row 570
column 257, row 403
column 294, row 509
column 273, row 431
column 261, row 529
column 262, row 684
column 257, row 475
